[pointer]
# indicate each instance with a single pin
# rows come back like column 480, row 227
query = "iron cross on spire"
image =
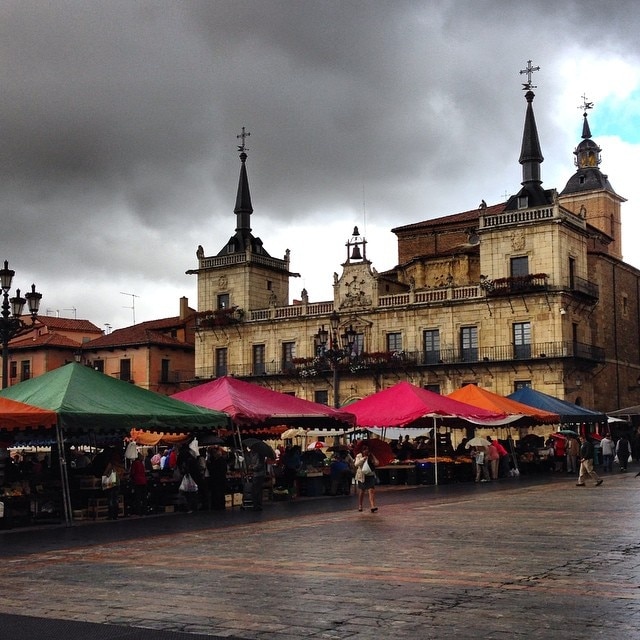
column 243, row 135
column 586, row 105
column 526, row 86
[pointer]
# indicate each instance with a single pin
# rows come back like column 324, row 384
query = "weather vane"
column 243, row 135
column 526, row 86
column 586, row 105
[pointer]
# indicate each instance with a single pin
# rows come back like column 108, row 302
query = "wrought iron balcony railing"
column 403, row 360
column 516, row 284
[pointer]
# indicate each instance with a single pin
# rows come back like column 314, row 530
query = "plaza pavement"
column 531, row 557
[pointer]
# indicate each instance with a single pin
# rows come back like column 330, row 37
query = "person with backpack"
column 623, row 451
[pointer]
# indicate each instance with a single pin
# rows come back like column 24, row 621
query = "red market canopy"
column 405, row 404
column 251, row 404
column 525, row 414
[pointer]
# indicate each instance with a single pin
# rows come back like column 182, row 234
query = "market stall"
column 22, row 495
column 523, row 415
column 90, row 405
column 406, row 405
column 254, row 410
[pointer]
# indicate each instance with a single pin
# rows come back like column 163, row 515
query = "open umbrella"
column 314, row 457
column 317, row 445
column 260, row 446
column 477, row 442
column 568, row 432
column 339, row 447
column 380, row 449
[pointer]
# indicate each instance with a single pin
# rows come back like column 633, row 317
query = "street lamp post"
column 11, row 322
column 329, row 348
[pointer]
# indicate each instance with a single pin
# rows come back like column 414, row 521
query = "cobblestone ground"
column 521, row 558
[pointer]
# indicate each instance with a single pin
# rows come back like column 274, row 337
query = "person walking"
column 608, row 451
column 623, row 451
column 586, row 463
column 366, row 464
column 572, row 450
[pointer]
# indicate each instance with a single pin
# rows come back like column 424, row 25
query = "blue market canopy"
column 569, row 413
column 87, row 401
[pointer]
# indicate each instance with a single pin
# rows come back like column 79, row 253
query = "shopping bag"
column 110, row 481
column 366, row 469
column 188, row 484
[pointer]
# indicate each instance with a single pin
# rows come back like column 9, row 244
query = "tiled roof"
column 45, row 340
column 135, row 335
column 67, row 324
column 164, row 323
column 456, row 218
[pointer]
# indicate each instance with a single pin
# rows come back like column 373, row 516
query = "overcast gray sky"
column 118, row 125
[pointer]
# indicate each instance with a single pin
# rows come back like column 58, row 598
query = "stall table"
column 16, row 511
column 313, row 483
column 404, row 473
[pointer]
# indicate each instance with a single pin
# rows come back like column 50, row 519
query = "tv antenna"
column 75, row 316
column 133, row 303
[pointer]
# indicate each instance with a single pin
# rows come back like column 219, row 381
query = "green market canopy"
column 87, row 401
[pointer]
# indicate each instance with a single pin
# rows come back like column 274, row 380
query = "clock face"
column 474, row 239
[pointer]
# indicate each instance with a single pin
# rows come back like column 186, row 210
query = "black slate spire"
column 530, row 153
column 243, row 208
column 532, row 194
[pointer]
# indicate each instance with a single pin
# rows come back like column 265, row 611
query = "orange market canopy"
column 152, row 438
column 251, row 404
column 16, row 415
column 525, row 414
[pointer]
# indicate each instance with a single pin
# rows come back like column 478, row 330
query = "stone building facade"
column 529, row 292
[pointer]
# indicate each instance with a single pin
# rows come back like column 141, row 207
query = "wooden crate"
column 98, row 508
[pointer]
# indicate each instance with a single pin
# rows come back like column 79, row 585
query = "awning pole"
column 435, row 449
column 64, row 477
column 245, row 468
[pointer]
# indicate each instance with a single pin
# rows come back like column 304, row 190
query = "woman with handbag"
column 111, row 478
column 366, row 479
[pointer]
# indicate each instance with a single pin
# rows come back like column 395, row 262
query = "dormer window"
column 523, row 202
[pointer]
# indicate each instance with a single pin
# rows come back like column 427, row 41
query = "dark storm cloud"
column 119, row 119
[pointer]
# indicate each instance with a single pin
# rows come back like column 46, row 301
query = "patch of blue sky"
column 613, row 116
